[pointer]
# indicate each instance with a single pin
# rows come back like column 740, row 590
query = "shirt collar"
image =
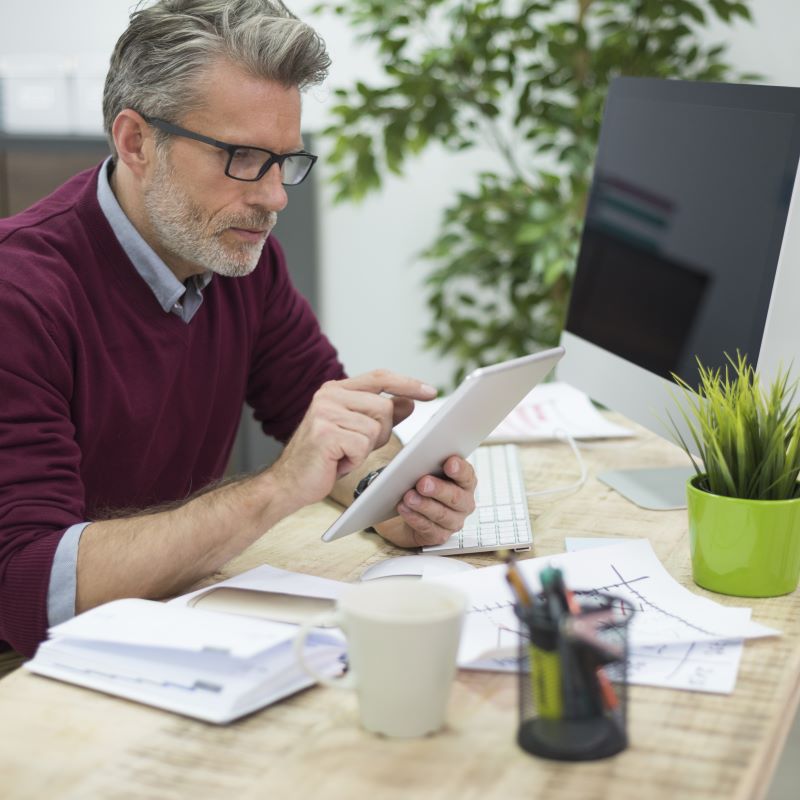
column 167, row 289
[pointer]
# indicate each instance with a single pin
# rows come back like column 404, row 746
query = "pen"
column 607, row 693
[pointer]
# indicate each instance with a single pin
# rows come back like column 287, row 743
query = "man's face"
column 201, row 219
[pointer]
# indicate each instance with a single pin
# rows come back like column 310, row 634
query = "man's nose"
column 269, row 192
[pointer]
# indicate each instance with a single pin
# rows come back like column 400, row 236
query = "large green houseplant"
column 744, row 501
column 528, row 80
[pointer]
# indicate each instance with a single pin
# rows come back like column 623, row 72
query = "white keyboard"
column 500, row 520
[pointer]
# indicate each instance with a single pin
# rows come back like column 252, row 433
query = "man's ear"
column 133, row 139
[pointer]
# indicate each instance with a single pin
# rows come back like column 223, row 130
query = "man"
column 144, row 301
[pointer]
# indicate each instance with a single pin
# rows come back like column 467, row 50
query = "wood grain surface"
column 66, row 742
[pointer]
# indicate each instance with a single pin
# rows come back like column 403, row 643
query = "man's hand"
column 345, row 422
column 435, row 508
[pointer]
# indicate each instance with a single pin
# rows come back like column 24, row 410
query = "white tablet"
column 471, row 413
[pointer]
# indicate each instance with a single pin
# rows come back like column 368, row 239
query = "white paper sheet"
column 698, row 667
column 152, row 624
column 549, row 409
column 574, row 543
column 271, row 579
column 667, row 613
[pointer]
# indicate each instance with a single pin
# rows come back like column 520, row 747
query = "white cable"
column 563, row 435
column 613, row 444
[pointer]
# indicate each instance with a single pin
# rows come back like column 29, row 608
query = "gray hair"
column 159, row 60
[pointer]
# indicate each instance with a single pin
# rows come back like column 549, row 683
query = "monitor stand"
column 662, row 489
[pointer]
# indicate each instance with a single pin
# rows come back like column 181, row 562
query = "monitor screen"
column 685, row 222
column 690, row 249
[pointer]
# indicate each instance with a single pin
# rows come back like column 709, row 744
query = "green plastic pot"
column 749, row 548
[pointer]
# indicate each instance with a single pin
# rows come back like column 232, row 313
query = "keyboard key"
column 501, row 518
column 486, row 514
column 504, row 513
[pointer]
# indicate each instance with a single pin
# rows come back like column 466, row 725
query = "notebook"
column 203, row 664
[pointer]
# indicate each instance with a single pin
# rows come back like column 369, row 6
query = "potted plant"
column 744, row 504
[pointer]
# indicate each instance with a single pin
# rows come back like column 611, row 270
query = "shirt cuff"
column 64, row 576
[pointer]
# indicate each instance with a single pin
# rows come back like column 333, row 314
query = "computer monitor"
column 690, row 248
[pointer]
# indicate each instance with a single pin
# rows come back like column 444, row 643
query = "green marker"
column 546, row 681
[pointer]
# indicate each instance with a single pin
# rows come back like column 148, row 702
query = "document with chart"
column 671, row 624
column 694, row 666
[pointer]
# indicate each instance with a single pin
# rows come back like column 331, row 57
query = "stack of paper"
column 200, row 663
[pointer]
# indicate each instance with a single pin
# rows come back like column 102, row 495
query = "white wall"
column 372, row 300
column 61, row 27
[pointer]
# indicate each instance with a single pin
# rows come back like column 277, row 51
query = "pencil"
column 518, row 586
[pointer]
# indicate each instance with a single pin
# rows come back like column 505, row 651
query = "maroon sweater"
column 107, row 402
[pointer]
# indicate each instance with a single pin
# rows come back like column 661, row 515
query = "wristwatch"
column 366, row 481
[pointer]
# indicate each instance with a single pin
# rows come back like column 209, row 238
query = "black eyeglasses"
column 247, row 163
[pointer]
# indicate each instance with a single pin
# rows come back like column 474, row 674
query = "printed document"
column 666, row 612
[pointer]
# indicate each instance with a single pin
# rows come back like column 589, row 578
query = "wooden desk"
column 67, row 742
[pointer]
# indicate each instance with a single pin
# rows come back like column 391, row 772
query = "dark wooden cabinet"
column 32, row 166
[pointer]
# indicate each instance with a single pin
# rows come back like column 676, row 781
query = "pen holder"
column 573, row 679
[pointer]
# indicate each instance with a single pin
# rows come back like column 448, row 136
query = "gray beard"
column 185, row 231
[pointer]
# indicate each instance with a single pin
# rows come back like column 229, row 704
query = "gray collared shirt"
column 174, row 297
column 178, row 298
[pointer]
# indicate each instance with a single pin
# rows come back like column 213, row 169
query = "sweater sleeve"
column 41, row 492
column 292, row 357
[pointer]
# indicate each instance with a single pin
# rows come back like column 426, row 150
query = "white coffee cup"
column 402, row 639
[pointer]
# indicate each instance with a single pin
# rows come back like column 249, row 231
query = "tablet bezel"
column 480, row 403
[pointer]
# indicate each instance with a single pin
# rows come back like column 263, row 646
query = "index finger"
column 384, row 380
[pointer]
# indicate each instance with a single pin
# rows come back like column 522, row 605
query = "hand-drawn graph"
column 655, row 620
column 699, row 667
column 676, row 638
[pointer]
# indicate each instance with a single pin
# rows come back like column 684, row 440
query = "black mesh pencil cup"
column 573, row 682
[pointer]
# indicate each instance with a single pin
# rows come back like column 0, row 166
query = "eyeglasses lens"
column 246, row 164
column 295, row 169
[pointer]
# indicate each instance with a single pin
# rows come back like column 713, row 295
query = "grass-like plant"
column 748, row 439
